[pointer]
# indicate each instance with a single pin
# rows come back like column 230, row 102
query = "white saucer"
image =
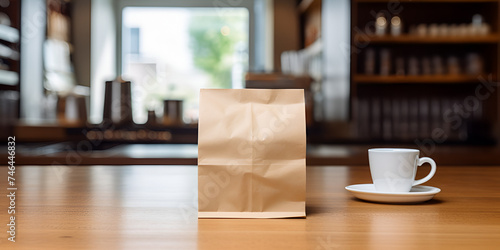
column 416, row 194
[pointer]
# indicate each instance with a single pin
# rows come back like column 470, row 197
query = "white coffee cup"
column 394, row 169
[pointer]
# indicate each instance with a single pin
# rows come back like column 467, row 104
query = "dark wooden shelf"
column 9, row 74
column 411, row 107
column 7, row 87
column 425, row 79
column 412, row 39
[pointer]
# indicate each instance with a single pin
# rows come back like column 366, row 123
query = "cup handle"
column 429, row 176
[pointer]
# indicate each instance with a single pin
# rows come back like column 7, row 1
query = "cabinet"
column 434, row 79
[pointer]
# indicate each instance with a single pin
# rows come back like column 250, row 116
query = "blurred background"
column 117, row 81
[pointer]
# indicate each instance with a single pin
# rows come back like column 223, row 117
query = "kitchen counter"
column 82, row 153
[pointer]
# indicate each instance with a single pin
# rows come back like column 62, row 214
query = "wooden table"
column 154, row 207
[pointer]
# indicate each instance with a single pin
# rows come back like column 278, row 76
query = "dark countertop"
column 186, row 154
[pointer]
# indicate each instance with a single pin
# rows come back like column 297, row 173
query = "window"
column 172, row 52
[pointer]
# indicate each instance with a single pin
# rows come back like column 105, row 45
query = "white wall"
column 33, row 22
column 264, row 35
column 335, row 32
column 103, row 54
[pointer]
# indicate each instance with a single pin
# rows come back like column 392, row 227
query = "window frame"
column 248, row 4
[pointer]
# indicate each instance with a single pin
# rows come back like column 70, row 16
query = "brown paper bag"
column 251, row 153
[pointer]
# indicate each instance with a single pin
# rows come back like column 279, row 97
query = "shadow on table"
column 314, row 210
column 431, row 202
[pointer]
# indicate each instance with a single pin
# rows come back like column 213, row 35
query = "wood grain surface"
column 154, row 207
